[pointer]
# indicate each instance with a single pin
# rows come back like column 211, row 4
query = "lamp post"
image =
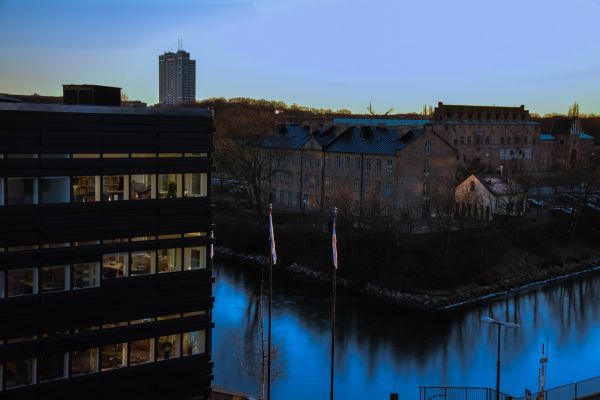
column 510, row 325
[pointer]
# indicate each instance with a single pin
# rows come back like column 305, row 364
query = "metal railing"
column 459, row 393
column 587, row 389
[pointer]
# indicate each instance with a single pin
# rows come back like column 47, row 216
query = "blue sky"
column 322, row 53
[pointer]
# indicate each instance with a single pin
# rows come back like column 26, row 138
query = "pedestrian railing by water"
column 582, row 390
column 459, row 393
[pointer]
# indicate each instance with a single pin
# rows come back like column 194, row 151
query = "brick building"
column 388, row 167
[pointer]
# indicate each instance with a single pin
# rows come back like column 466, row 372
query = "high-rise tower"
column 177, row 77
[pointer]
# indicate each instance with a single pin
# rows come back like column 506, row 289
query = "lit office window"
column 142, row 238
column 58, row 245
column 21, row 282
column 141, row 351
column 142, row 321
column 169, row 236
column 169, row 185
column 22, row 191
column 194, row 343
column 86, row 275
column 52, row 367
column 143, row 262
column 196, row 154
column 86, row 243
column 168, row 347
column 86, row 155
column 169, row 155
column 143, row 155
column 169, row 260
column 142, row 187
column 195, row 185
column 115, row 155
column 114, row 265
column 85, row 188
column 194, row 257
column 54, row 279
column 113, row 356
column 19, row 373
column 115, row 187
column 84, row 361
column 194, row 234
column 55, row 189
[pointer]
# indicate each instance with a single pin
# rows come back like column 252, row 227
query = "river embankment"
column 435, row 301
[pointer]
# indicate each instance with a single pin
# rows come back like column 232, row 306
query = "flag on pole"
column 212, row 248
column 272, row 235
column 334, row 241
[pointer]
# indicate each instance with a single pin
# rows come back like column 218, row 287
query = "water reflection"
column 382, row 349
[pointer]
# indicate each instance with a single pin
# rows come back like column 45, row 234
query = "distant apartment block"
column 177, row 78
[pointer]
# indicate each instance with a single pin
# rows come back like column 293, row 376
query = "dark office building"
column 105, row 271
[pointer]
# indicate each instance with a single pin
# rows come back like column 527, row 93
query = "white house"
column 483, row 196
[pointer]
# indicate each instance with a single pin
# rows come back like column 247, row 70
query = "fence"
column 582, row 390
column 459, row 393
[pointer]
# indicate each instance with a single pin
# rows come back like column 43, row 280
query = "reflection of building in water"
column 103, row 262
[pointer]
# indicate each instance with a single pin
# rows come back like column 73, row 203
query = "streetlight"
column 511, row 325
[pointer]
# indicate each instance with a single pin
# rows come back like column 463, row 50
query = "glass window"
column 141, row 351
column 114, row 265
column 84, row 361
column 169, row 236
column 194, row 313
column 85, row 155
column 143, row 262
column 194, row 257
column 142, row 238
column 56, row 245
column 195, row 185
column 21, row 156
column 169, row 185
column 19, row 373
column 168, row 347
column 194, row 343
column 169, row 260
column 115, row 155
column 21, row 339
column 54, row 279
column 56, row 156
column 194, row 234
column 86, row 275
column 1, row 191
column 142, row 321
column 22, row 282
column 115, row 187
column 195, row 154
column 115, row 325
column 113, row 356
column 23, row 248
column 85, row 188
column 169, row 155
column 55, row 189
column 2, row 284
column 22, row 191
column 86, row 243
column 52, row 366
column 113, row 241
column 143, row 155
column 142, row 187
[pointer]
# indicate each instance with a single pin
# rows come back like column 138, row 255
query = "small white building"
column 483, row 196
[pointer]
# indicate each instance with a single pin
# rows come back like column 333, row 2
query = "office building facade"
column 105, row 274
column 177, row 78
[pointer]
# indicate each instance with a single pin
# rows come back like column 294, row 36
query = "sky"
column 334, row 54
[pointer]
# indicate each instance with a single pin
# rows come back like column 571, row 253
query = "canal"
column 382, row 349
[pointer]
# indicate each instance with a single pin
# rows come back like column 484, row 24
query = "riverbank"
column 427, row 300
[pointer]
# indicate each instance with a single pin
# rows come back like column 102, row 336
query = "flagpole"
column 271, row 247
column 334, row 249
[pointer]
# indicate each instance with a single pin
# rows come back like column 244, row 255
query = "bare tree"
column 574, row 110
